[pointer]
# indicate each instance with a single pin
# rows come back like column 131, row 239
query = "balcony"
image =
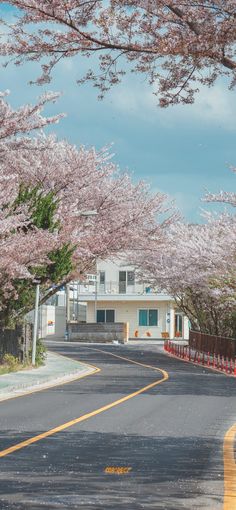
column 92, row 290
column 113, row 287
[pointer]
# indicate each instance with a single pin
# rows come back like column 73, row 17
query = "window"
column 130, row 278
column 122, row 282
column 101, row 316
column 110, row 315
column 102, row 276
column 91, row 277
column 105, row 315
column 148, row 317
column 126, row 278
column 152, row 317
column 143, row 318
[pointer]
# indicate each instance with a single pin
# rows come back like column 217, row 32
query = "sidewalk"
column 56, row 370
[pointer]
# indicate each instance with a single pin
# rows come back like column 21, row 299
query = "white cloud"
column 214, row 106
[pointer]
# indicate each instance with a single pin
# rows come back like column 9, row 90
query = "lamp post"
column 85, row 214
column 36, row 313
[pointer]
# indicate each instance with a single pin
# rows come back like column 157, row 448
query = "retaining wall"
column 98, row 332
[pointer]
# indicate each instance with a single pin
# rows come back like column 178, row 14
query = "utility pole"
column 36, row 313
column 67, row 310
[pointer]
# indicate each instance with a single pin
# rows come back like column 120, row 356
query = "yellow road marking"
column 130, row 360
column 229, row 457
column 229, row 470
column 100, row 410
column 117, row 470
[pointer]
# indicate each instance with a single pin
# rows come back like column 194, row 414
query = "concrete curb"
column 67, row 374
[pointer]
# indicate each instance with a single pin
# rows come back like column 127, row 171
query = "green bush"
column 11, row 361
column 41, row 353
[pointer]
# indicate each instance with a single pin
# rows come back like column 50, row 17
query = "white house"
column 115, row 295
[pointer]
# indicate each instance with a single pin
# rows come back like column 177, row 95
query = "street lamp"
column 85, row 214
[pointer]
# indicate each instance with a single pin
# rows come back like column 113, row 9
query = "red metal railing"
column 213, row 360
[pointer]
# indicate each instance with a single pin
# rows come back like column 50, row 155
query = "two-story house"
column 114, row 294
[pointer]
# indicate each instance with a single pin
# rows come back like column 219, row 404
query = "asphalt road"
column 161, row 449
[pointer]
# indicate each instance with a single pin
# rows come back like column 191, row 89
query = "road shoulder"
column 57, row 370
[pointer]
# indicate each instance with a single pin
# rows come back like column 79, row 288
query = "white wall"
column 46, row 320
column 52, row 321
column 128, row 312
column 186, row 328
column 112, row 269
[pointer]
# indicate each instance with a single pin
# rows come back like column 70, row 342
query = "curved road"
column 135, row 438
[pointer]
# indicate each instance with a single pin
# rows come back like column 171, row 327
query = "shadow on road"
column 67, row 471
column 171, row 437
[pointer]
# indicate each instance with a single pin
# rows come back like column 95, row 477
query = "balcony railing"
column 114, row 287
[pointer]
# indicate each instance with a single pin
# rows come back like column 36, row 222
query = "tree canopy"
column 46, row 187
column 178, row 45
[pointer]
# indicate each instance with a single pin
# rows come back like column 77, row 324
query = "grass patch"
column 10, row 363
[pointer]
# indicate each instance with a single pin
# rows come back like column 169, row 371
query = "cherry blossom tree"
column 23, row 120
column 223, row 197
column 75, row 181
column 196, row 264
column 21, row 247
column 83, row 180
column 178, row 45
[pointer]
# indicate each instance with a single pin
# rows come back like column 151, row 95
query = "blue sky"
column 182, row 151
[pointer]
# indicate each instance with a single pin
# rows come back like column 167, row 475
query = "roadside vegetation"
column 10, row 363
column 47, row 185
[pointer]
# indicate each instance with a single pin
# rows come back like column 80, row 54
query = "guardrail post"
column 208, row 359
column 226, row 365
column 222, row 363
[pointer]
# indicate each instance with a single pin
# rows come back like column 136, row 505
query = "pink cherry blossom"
column 178, row 45
column 196, row 265
column 81, row 180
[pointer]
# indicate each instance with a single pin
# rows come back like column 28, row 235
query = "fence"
column 16, row 341
column 98, row 332
column 218, row 362
column 213, row 344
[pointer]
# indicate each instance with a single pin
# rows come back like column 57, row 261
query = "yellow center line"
column 229, row 470
column 51, row 432
column 229, row 457
column 127, row 359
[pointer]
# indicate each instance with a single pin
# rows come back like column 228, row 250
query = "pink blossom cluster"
column 178, row 45
column 81, row 180
column 196, row 264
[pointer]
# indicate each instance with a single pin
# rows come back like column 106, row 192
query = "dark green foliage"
column 13, row 308
column 43, row 210
column 42, row 207
column 60, row 266
column 62, row 263
column 41, row 353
